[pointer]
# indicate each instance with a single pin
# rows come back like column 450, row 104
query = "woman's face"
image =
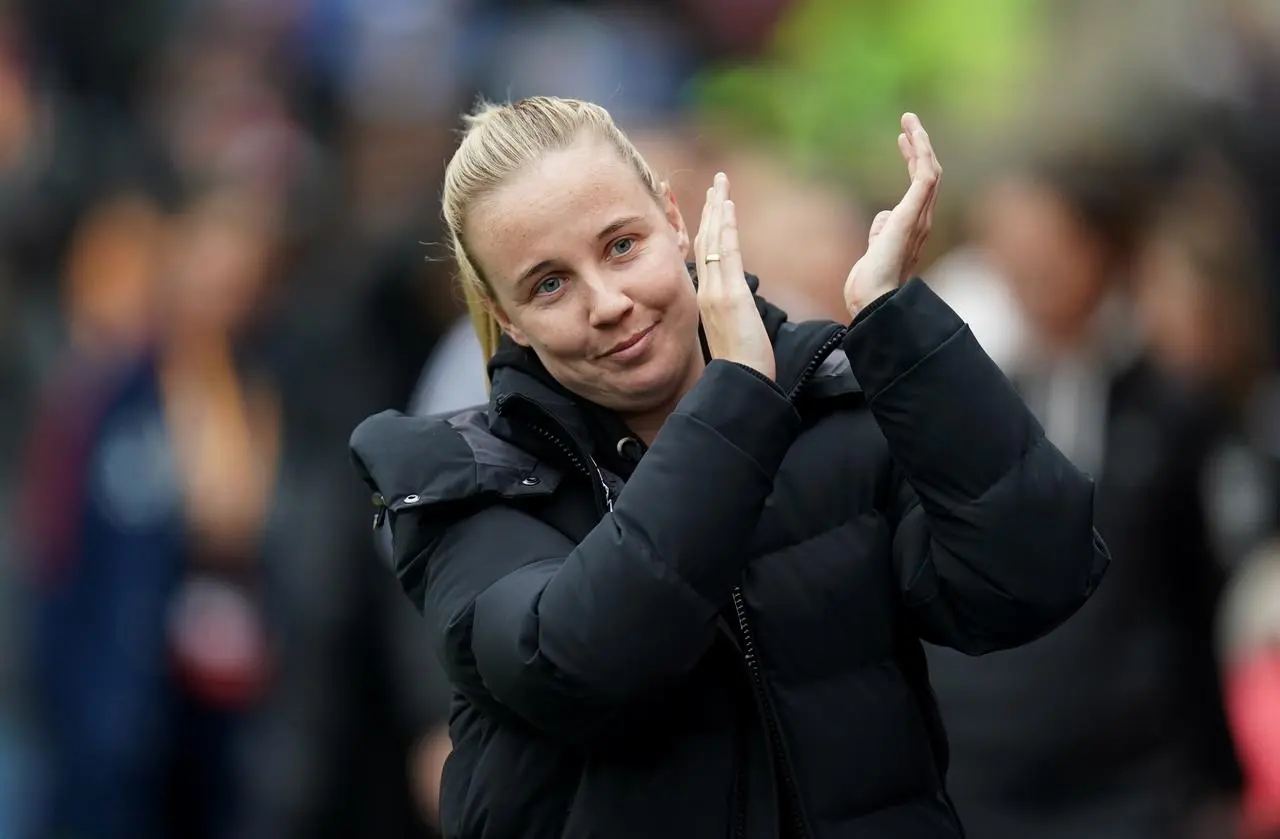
column 1186, row 327
column 587, row 268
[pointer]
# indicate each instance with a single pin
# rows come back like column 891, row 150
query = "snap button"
column 631, row 449
column 412, row 499
column 531, row 480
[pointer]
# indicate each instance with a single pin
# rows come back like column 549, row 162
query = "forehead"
column 555, row 208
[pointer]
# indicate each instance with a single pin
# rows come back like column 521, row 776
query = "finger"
column 923, row 146
column 714, row 224
column 927, row 167
column 700, row 242
column 927, row 152
column 925, row 159
column 924, row 174
column 730, row 249
column 905, row 218
column 922, row 230
column 927, row 223
column 902, row 227
column 910, row 124
column 908, row 154
column 877, row 224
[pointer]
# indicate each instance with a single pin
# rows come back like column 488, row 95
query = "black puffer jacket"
column 720, row 636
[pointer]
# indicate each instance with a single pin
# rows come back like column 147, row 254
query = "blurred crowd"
column 220, row 249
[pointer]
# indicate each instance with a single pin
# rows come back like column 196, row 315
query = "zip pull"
column 608, row 493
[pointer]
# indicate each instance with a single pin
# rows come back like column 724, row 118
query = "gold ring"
column 711, row 257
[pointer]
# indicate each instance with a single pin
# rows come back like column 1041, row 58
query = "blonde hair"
column 498, row 142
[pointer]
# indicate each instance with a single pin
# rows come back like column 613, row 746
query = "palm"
column 897, row 235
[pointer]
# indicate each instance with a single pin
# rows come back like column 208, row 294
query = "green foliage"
column 842, row 72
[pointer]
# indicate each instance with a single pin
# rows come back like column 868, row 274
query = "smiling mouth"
column 630, row 342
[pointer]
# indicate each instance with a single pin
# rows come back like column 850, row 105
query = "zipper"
column 789, row 797
column 815, row 362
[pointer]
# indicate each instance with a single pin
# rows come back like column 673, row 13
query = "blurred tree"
column 840, row 73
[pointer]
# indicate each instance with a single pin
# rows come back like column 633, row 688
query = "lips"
column 630, row 342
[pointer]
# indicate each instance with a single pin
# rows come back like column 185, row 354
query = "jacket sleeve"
column 569, row 636
column 994, row 544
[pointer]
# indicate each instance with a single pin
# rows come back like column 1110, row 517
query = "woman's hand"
column 730, row 318
column 898, row 235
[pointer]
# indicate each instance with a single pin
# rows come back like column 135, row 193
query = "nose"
column 609, row 303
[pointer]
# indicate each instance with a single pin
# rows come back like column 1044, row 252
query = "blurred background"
column 220, row 248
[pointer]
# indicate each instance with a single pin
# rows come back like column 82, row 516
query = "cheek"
column 559, row 331
column 661, row 282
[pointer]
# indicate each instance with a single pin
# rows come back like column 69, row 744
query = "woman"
column 682, row 563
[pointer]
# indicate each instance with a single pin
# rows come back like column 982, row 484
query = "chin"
column 644, row 387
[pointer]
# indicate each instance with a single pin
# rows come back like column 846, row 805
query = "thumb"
column 877, row 224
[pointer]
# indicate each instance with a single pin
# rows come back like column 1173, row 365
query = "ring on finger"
column 711, row 257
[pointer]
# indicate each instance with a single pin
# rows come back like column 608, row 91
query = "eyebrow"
column 610, row 229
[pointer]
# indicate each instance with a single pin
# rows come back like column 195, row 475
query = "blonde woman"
column 682, row 563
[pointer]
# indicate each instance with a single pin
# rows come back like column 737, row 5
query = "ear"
column 671, row 210
column 505, row 323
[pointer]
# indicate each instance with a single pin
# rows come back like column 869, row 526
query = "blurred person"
column 357, row 685
column 146, row 496
column 345, row 747
column 56, row 157
column 110, row 268
column 628, row 658
column 1206, row 309
column 1203, row 303
column 1113, row 724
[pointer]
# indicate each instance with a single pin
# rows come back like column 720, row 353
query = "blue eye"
column 623, row 246
column 549, row 286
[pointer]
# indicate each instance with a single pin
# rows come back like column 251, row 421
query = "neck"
column 647, row 424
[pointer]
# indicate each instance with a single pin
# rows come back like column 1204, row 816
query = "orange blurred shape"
column 111, row 273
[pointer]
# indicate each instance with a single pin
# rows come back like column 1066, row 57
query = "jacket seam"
column 898, row 378
column 654, row 558
column 967, row 505
column 754, row 461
